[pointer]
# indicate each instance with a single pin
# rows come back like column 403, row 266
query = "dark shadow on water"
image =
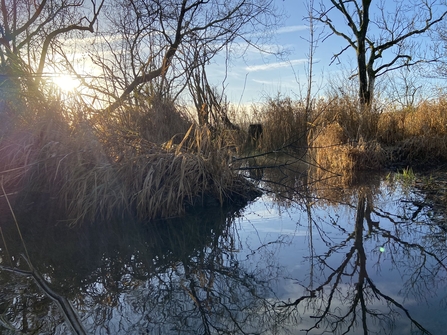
column 174, row 276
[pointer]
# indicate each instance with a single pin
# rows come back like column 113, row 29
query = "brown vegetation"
column 154, row 162
column 416, row 136
column 284, row 124
column 117, row 168
column 342, row 138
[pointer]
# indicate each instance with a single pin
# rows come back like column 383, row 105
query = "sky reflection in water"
column 402, row 270
column 376, row 263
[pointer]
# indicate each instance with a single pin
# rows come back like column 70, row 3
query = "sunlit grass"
column 95, row 175
column 405, row 176
column 93, row 167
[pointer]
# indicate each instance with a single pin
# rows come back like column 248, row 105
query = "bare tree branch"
column 393, row 30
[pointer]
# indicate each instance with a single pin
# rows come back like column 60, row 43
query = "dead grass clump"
column 164, row 184
column 427, row 119
column 66, row 167
column 156, row 185
column 430, row 118
column 425, row 150
column 284, row 124
column 151, row 120
column 416, row 135
column 391, row 127
column 31, row 143
column 356, row 122
column 343, row 111
column 230, row 139
column 334, row 153
column 160, row 120
column 367, row 155
column 17, row 158
column 330, row 150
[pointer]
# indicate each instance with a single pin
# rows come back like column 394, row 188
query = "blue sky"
column 258, row 76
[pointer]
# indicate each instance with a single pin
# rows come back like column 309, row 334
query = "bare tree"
column 153, row 39
column 31, row 33
column 136, row 43
column 438, row 48
column 382, row 36
column 210, row 104
column 405, row 88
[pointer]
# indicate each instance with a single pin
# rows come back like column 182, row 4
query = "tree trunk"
column 364, row 93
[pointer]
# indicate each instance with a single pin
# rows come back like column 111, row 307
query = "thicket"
column 341, row 138
column 151, row 162
column 412, row 136
column 155, row 161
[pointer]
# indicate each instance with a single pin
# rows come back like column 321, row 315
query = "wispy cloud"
column 291, row 29
column 277, row 65
column 264, row 82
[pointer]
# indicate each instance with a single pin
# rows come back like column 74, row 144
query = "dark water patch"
column 175, row 265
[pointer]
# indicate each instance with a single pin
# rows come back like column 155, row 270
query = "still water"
column 365, row 259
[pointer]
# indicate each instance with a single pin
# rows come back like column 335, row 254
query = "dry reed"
column 107, row 165
column 90, row 177
column 416, row 135
column 284, row 124
column 334, row 153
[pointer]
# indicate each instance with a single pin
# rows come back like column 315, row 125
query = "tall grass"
column 90, row 170
column 343, row 139
column 417, row 135
column 151, row 120
column 332, row 156
column 152, row 161
column 341, row 143
column 284, row 124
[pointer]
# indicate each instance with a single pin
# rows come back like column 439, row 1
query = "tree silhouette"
column 374, row 32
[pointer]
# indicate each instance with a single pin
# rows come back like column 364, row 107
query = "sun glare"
column 66, row 83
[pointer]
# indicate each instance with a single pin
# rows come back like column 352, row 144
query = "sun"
column 66, row 82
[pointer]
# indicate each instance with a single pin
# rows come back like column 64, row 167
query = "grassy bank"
column 155, row 162
column 151, row 163
column 340, row 139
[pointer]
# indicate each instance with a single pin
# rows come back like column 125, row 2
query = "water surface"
column 364, row 259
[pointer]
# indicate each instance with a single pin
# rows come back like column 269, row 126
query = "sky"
column 259, row 76
column 256, row 76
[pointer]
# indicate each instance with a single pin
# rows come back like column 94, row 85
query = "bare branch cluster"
column 131, row 43
column 383, row 36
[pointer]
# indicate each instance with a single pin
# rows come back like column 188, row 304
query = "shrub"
column 95, row 173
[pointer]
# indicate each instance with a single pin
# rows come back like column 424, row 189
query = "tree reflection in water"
column 205, row 274
column 179, row 276
column 346, row 299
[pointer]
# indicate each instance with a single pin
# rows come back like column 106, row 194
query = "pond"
column 361, row 259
